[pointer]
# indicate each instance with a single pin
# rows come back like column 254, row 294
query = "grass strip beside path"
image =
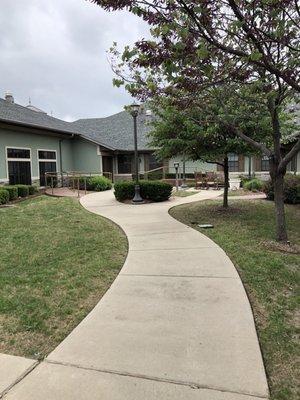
column 56, row 262
column 271, row 277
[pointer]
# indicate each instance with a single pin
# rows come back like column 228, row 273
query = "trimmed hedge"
column 23, row 190
column 98, row 183
column 32, row 189
column 4, row 196
column 150, row 190
column 291, row 189
column 12, row 191
column 253, row 185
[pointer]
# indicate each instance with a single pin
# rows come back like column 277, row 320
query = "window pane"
column 265, row 163
column 153, row 162
column 18, row 153
column 233, row 166
column 19, row 172
column 124, row 164
column 47, row 155
column 233, row 157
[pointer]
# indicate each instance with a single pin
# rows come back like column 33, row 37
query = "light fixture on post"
column 183, row 182
column 176, row 166
column 134, row 111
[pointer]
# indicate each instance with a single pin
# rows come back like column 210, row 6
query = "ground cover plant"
column 270, row 275
column 56, row 262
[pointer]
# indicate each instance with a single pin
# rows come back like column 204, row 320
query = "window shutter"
column 257, row 163
column 166, row 165
column 241, row 163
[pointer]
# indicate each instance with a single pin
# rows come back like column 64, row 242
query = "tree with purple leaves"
column 196, row 45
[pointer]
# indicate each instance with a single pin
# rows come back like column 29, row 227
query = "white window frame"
column 233, row 157
column 46, row 159
column 18, row 159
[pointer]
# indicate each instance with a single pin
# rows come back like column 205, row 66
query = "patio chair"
column 199, row 180
column 210, row 180
column 220, row 180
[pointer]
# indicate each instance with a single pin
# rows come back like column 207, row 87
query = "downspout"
column 60, row 158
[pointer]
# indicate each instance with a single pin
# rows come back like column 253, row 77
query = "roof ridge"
column 98, row 118
column 34, row 112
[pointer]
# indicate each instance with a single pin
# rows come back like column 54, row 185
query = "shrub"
column 156, row 190
column 98, row 183
column 150, row 190
column 244, row 180
column 124, row 190
column 4, row 196
column 32, row 189
column 23, row 190
column 291, row 189
column 253, row 185
column 12, row 191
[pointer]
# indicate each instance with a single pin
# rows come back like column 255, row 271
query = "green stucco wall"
column 191, row 166
column 17, row 138
column 77, row 154
column 85, row 157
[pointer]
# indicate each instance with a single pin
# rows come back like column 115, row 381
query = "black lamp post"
column 134, row 110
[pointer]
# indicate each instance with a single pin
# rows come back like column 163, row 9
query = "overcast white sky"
column 54, row 51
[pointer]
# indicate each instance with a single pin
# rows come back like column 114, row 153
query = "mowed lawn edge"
column 56, row 262
column 270, row 277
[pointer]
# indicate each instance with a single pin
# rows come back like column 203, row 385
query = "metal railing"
column 162, row 169
column 74, row 180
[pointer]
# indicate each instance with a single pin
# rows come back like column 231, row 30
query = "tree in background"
column 207, row 130
column 199, row 44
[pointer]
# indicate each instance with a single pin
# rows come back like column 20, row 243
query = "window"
column 233, row 162
column 18, row 153
column 265, row 163
column 292, row 165
column 18, row 166
column 47, row 163
column 47, row 155
column 124, row 164
column 153, row 162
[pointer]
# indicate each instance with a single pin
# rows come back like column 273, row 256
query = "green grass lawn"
column 242, row 192
column 56, row 262
column 271, row 278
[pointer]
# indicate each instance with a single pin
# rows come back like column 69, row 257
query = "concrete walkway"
column 175, row 325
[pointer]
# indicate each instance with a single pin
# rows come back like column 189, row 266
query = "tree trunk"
column 277, row 175
column 281, row 232
column 226, row 182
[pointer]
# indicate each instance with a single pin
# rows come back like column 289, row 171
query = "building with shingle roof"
column 33, row 143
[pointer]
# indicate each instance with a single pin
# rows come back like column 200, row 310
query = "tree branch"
column 284, row 162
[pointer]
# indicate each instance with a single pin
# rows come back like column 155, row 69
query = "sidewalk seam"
column 19, row 379
column 192, row 385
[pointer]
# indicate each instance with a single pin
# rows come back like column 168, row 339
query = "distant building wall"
column 191, row 166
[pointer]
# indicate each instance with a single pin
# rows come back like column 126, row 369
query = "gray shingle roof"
column 116, row 130
column 19, row 114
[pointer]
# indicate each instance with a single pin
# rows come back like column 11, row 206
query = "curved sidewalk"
column 175, row 325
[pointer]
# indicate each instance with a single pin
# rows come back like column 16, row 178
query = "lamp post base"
column 137, row 197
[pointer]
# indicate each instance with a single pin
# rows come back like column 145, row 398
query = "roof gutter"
column 17, row 123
